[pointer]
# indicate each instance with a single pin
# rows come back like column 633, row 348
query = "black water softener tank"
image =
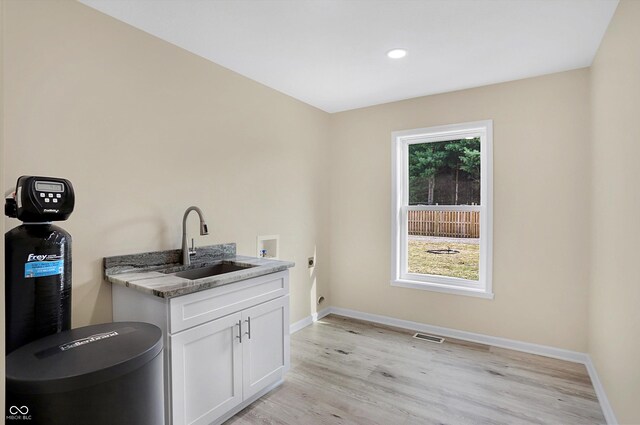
column 37, row 261
column 108, row 374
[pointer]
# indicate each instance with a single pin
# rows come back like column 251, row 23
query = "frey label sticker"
column 43, row 265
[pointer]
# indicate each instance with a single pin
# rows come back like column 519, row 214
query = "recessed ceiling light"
column 397, row 53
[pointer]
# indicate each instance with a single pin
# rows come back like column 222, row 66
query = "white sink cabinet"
column 225, row 346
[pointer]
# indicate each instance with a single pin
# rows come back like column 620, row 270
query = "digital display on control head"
column 49, row 187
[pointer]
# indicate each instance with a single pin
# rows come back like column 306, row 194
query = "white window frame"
column 400, row 141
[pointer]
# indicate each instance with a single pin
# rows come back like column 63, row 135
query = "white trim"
column 447, row 289
column 322, row 313
column 399, row 207
column 301, row 324
column 441, row 133
column 443, row 208
column 526, row 347
column 607, row 410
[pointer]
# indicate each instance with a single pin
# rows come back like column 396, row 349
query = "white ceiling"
column 331, row 53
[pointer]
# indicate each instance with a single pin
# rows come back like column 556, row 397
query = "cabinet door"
column 265, row 346
column 206, row 364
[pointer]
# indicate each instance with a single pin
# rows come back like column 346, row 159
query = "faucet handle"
column 192, row 251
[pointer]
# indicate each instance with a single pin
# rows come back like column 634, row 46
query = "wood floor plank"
column 346, row 371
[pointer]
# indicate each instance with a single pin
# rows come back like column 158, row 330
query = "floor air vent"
column 430, row 338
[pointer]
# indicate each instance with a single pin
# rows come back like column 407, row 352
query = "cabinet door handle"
column 249, row 326
column 239, row 336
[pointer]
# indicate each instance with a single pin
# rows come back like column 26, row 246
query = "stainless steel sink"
column 213, row 270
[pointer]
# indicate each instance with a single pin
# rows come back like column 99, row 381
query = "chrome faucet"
column 186, row 251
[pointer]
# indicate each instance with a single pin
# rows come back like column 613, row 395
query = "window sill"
column 447, row 289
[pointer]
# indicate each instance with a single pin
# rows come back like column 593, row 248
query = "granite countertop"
column 147, row 272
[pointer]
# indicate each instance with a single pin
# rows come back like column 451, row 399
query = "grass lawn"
column 463, row 264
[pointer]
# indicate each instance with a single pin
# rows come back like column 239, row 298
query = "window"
column 442, row 209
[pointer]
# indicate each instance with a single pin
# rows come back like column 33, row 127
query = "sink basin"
column 214, row 270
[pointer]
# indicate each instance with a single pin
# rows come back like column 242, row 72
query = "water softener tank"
column 108, row 374
column 37, row 261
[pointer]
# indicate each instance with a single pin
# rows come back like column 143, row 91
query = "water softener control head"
column 41, row 199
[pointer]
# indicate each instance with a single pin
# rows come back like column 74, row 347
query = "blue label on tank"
column 43, row 268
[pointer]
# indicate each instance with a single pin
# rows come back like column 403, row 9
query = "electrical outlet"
column 311, row 262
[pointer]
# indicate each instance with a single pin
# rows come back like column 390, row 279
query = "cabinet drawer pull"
column 249, row 326
column 239, row 336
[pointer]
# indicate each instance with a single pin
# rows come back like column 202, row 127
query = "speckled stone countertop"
column 148, row 272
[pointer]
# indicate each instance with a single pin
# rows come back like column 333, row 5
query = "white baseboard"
column 526, row 347
column 607, row 410
column 319, row 315
column 300, row 324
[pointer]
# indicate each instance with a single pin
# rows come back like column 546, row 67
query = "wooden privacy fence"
column 452, row 224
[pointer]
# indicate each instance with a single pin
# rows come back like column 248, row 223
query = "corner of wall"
column 614, row 293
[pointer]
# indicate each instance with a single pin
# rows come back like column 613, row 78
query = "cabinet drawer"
column 200, row 307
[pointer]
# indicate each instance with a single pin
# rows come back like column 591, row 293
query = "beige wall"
column 614, row 337
column 541, row 217
column 144, row 129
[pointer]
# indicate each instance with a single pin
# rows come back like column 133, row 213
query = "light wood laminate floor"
column 345, row 371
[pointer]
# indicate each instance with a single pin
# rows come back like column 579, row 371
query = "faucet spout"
column 204, row 230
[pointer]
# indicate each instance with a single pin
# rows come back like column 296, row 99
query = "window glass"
column 445, row 173
column 444, row 243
